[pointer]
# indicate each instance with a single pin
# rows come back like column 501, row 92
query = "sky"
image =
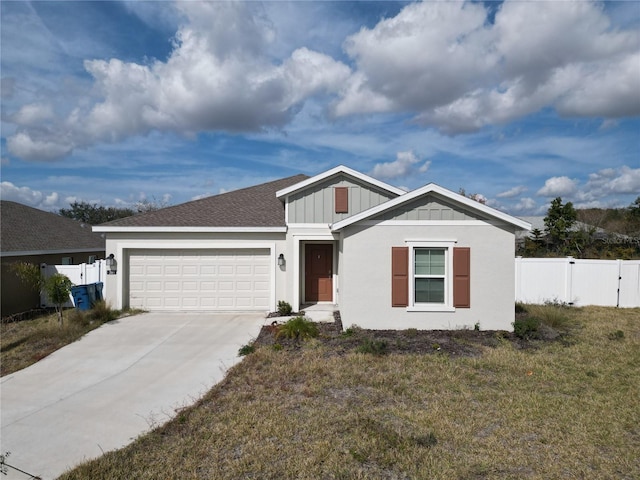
column 519, row 101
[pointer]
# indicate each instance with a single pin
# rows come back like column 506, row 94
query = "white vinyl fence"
column 613, row 283
column 82, row 274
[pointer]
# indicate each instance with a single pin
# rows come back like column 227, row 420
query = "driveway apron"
column 117, row 382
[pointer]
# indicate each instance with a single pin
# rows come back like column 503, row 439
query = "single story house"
column 426, row 259
column 35, row 236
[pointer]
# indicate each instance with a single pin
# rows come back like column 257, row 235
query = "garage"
column 200, row 280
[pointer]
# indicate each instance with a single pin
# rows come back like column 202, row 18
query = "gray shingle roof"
column 248, row 207
column 27, row 229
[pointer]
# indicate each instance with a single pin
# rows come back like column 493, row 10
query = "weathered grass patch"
column 562, row 410
column 29, row 341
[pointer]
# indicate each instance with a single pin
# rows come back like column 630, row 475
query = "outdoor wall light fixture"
column 281, row 260
column 112, row 265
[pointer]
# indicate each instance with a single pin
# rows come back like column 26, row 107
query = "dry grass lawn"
column 563, row 410
column 25, row 342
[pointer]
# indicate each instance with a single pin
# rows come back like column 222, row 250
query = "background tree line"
column 94, row 214
column 607, row 233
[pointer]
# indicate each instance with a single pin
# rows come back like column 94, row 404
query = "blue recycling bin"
column 85, row 296
column 80, row 294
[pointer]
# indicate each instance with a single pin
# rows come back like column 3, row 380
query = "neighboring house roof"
column 438, row 190
column 341, row 169
column 248, row 209
column 29, row 231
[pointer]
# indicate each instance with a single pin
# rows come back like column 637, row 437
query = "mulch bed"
column 459, row 343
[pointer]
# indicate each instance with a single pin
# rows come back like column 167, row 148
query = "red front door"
column 318, row 273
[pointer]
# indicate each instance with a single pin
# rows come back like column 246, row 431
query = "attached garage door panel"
column 199, row 279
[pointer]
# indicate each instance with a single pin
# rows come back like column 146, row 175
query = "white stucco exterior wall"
column 365, row 276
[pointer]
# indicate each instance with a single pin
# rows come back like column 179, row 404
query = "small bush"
column 617, row 335
column 557, row 303
column 553, row 316
column 374, row 347
column 102, row 312
column 246, row 350
column 521, row 308
column 78, row 317
column 298, row 328
column 276, row 347
column 429, row 440
column 284, row 308
column 412, row 332
column 349, row 332
column 526, row 328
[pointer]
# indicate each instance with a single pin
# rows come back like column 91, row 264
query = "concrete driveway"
column 100, row 393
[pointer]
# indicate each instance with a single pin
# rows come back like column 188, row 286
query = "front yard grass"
column 25, row 342
column 562, row 409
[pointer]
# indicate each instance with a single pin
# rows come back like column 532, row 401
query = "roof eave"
column 169, row 229
column 59, row 251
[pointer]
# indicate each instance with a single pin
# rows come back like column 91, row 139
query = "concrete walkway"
column 120, row 380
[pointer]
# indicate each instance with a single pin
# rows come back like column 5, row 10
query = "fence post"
column 569, row 285
column 518, row 273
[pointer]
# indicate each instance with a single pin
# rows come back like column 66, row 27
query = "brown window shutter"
column 342, row 199
column 399, row 276
column 462, row 277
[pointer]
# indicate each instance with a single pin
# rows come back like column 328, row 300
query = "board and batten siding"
column 316, row 204
column 429, row 208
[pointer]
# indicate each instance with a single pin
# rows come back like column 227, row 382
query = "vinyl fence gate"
column 613, row 283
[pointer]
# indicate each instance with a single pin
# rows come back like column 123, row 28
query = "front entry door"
column 318, row 272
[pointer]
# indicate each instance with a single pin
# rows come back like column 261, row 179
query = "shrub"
column 102, row 312
column 246, row 349
column 374, row 347
column 78, row 317
column 526, row 328
column 551, row 315
column 617, row 335
column 298, row 328
column 284, row 308
column 521, row 308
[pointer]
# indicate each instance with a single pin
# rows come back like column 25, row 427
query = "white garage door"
column 237, row 279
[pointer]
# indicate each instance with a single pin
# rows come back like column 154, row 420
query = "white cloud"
column 445, row 63
column 524, row 205
column 216, row 78
column 558, row 187
column 38, row 145
column 27, row 196
column 610, row 181
column 33, row 114
column 405, row 164
column 512, row 192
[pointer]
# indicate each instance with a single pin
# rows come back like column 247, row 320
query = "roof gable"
column 341, row 169
column 430, row 206
column 252, row 207
column 27, row 229
column 451, row 198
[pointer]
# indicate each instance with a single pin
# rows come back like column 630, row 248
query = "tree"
column 29, row 274
column 94, row 214
column 144, row 206
column 58, row 287
column 558, row 222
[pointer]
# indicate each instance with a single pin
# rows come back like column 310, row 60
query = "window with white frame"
column 431, row 275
